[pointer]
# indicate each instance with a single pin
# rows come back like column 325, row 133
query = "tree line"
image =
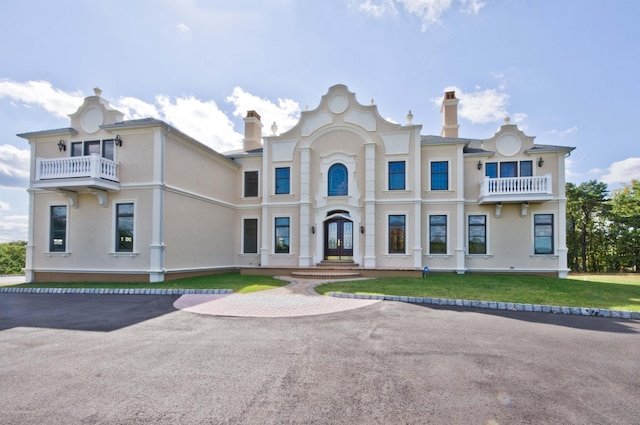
column 603, row 231
column 603, row 228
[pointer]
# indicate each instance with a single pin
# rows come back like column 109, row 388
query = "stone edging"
column 494, row 305
column 112, row 291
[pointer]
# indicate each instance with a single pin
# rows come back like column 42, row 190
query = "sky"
column 564, row 71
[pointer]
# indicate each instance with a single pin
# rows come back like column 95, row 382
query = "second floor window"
column 439, row 175
column 283, row 181
column 396, row 175
column 509, row 169
column 250, row 184
column 338, row 185
column 104, row 148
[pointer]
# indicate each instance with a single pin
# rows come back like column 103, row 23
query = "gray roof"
column 44, row 133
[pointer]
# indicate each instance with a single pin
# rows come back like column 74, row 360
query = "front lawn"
column 623, row 294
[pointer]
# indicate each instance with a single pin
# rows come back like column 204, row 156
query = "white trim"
column 532, row 243
column 114, row 242
column 449, row 161
column 273, row 234
column 447, row 254
column 487, row 216
column 242, row 220
column 404, row 254
column 67, row 232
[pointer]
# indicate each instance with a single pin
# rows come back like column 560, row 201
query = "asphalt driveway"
column 110, row 359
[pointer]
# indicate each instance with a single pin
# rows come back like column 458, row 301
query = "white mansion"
column 139, row 200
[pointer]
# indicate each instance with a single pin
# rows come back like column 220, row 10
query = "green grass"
column 612, row 291
column 234, row 281
column 622, row 294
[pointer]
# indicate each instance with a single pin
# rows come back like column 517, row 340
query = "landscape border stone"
column 497, row 305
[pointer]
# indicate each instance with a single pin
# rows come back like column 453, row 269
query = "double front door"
column 338, row 242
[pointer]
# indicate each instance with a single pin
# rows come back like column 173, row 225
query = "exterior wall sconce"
column 62, row 146
column 479, row 165
column 118, row 140
column 540, row 162
column 362, row 229
column 313, row 229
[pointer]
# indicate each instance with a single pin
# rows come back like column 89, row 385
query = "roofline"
column 69, row 131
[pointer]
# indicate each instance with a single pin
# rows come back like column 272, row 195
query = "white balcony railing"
column 92, row 166
column 517, row 187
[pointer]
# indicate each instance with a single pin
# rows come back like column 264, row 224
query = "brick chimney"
column 252, row 131
column 449, row 111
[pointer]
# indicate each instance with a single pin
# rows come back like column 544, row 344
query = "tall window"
column 477, row 234
column 282, row 235
column 543, row 233
column 250, row 232
column 283, row 181
column 526, row 168
column 397, row 234
column 124, row 227
column 338, row 185
column 58, row 229
column 104, row 148
column 250, row 184
column 437, row 234
column 439, row 175
column 396, row 175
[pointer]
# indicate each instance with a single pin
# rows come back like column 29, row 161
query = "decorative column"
column 460, row 217
column 370, row 206
column 156, row 247
column 305, row 259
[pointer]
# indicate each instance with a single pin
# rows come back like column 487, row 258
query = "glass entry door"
column 338, row 239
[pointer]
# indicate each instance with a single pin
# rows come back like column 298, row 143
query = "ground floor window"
column 477, row 234
column 282, row 235
column 543, row 233
column 397, row 229
column 437, row 234
column 58, row 228
column 124, row 227
column 250, row 232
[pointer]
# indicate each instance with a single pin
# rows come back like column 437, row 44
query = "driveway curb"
column 495, row 305
column 114, row 291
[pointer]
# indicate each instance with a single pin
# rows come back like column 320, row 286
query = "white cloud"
column 135, row 108
column 481, row 106
column 563, row 133
column 471, row 6
column 4, row 206
column 182, row 27
column 41, row 93
column 14, row 167
column 429, row 11
column 13, row 228
column 285, row 114
column 202, row 120
column 379, row 9
column 624, row 171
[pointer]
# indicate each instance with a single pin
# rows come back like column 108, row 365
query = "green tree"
column 12, row 257
column 587, row 222
column 625, row 212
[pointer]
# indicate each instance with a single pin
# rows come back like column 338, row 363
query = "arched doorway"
column 338, row 237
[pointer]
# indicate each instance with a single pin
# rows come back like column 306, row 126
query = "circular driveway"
column 135, row 359
column 294, row 300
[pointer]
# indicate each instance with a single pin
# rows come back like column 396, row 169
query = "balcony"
column 516, row 189
column 77, row 173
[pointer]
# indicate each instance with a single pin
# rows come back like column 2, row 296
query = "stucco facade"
column 138, row 200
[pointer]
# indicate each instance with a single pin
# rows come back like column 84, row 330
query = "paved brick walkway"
column 296, row 299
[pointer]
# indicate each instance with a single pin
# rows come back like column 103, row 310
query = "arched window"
column 338, row 185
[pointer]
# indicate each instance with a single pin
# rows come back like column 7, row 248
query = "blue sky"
column 564, row 71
